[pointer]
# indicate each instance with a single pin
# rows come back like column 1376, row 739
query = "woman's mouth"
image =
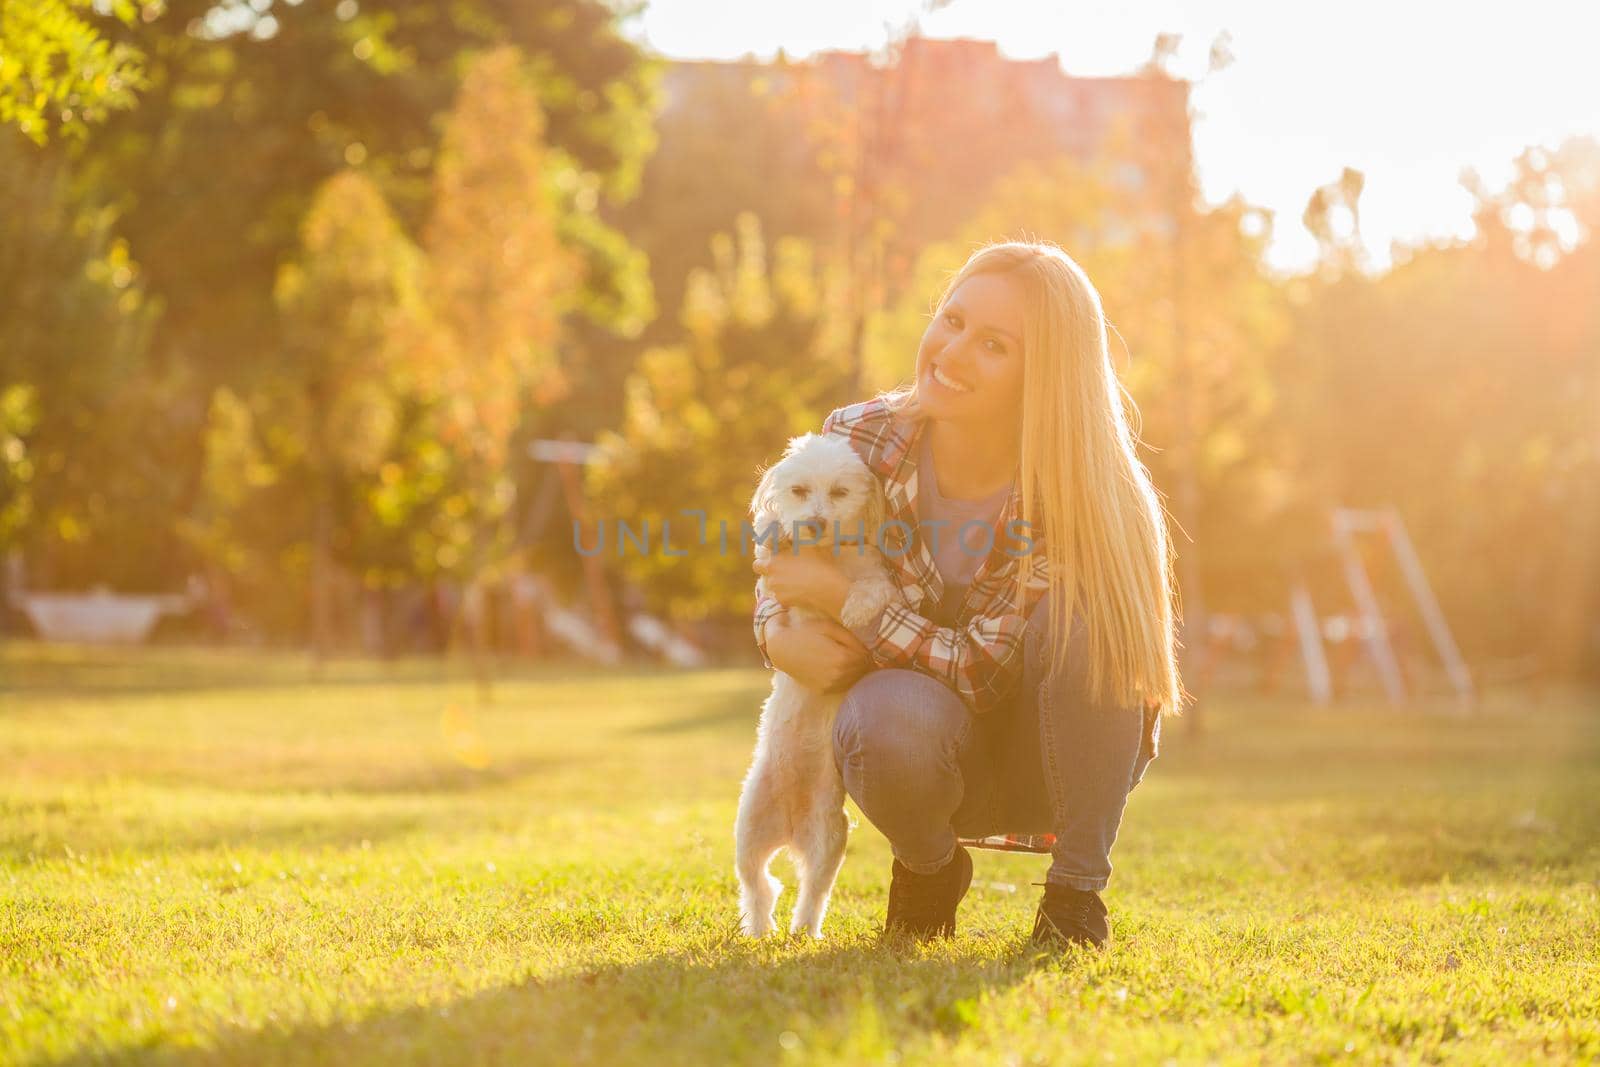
column 949, row 383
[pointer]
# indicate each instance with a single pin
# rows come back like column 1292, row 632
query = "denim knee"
column 899, row 716
column 897, row 744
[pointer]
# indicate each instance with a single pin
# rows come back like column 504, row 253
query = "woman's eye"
column 838, row 494
column 998, row 347
column 953, row 321
column 800, row 491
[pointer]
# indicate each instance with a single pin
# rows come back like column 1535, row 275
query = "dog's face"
column 819, row 482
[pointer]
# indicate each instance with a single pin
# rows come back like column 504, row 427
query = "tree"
column 291, row 468
column 58, row 72
column 500, row 278
column 505, row 274
column 344, row 304
column 1333, row 215
column 86, row 489
column 17, row 419
column 248, row 111
column 732, row 140
column 763, row 360
column 1461, row 387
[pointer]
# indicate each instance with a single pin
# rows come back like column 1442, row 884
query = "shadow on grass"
column 724, row 1002
column 171, row 840
column 431, row 779
column 68, row 671
column 51, row 825
column 1550, row 830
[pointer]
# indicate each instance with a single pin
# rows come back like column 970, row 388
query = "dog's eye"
column 800, row 491
column 838, row 493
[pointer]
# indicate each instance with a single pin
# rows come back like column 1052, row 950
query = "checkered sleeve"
column 766, row 607
column 980, row 661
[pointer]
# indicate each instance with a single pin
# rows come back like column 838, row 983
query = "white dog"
column 793, row 796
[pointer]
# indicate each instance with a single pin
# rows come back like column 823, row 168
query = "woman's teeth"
column 939, row 377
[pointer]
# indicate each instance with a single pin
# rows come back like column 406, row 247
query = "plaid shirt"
column 981, row 658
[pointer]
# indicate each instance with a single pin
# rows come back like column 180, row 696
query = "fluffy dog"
column 793, row 796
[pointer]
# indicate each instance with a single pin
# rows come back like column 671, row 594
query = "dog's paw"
column 756, row 926
column 865, row 601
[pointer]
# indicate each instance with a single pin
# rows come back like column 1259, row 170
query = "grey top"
column 958, row 549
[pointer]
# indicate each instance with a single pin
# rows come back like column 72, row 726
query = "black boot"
column 1068, row 916
column 924, row 905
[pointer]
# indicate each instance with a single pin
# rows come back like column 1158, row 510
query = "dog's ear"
column 761, row 507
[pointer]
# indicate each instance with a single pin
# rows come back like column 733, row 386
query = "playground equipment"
column 98, row 617
column 602, row 638
column 1347, row 524
column 1312, row 632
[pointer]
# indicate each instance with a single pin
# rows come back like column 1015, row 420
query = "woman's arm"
column 767, row 607
column 817, row 653
column 981, row 661
column 820, row 653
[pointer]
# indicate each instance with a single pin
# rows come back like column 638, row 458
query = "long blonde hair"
column 1087, row 496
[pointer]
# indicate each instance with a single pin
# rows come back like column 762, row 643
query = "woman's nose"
column 967, row 341
column 958, row 353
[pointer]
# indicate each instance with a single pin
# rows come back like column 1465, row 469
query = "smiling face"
column 969, row 365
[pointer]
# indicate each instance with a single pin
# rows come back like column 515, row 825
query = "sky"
column 1410, row 92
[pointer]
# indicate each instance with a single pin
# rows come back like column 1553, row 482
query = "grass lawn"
column 206, row 857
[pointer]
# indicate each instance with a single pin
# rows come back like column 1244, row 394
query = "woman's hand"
column 808, row 578
column 817, row 653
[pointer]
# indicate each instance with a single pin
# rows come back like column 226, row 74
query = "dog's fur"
column 793, row 796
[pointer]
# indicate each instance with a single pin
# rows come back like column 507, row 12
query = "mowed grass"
column 208, row 857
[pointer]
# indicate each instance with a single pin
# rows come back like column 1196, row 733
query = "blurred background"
column 340, row 325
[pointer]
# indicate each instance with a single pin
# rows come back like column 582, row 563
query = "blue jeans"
column 925, row 770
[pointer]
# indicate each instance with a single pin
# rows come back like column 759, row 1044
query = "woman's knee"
column 900, row 711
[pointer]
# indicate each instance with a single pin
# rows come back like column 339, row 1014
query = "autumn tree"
column 250, row 107
column 292, row 466
column 499, row 278
column 503, row 274
column 59, row 72
column 83, row 479
column 343, row 305
column 17, row 419
column 762, row 360
column 731, row 140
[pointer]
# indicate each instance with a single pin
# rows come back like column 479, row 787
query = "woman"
column 1021, row 687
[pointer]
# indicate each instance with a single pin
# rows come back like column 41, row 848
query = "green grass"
column 206, row 857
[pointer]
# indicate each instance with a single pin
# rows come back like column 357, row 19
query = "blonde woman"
column 1021, row 689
